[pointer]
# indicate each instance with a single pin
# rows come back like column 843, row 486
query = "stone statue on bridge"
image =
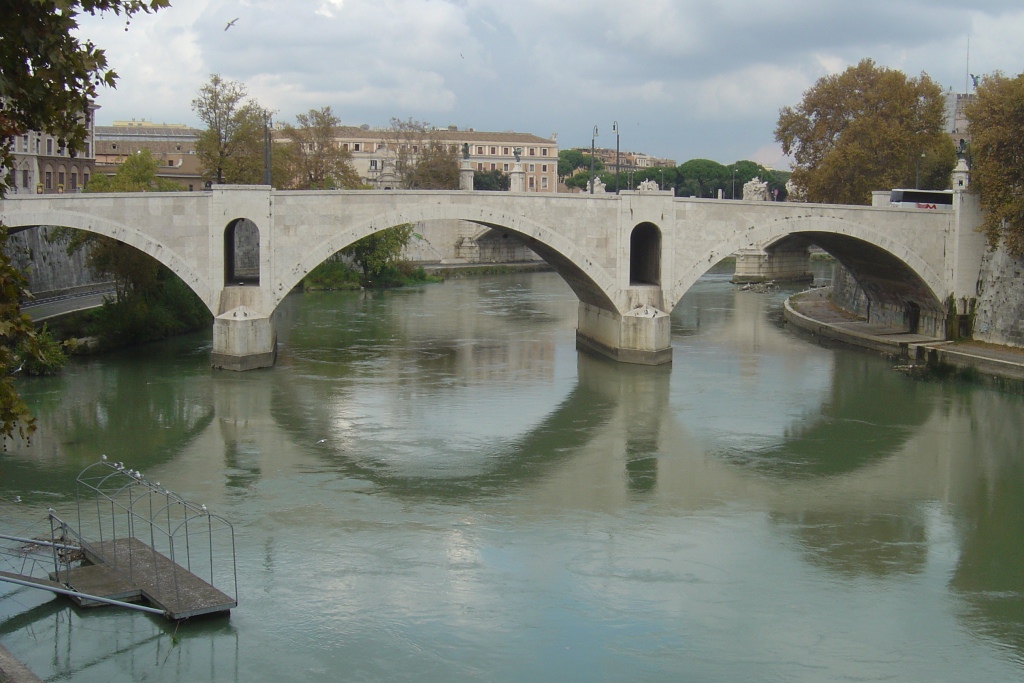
column 648, row 186
column 598, row 186
column 756, row 190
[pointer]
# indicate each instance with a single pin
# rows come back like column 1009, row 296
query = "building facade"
column 373, row 153
column 43, row 166
column 172, row 145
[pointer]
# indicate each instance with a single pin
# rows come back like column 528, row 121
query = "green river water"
column 433, row 485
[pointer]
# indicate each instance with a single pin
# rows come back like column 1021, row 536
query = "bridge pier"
column 777, row 265
column 243, row 337
column 642, row 336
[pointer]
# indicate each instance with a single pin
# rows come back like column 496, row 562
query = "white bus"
column 922, row 199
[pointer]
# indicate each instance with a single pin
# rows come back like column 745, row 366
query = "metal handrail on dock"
column 144, row 542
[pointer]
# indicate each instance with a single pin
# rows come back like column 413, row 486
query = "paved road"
column 40, row 310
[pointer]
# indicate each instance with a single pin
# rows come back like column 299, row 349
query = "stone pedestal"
column 243, row 339
column 466, row 175
column 517, row 179
column 642, row 336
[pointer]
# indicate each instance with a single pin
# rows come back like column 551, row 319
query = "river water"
column 433, row 485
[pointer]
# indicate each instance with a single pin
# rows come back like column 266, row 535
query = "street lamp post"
column 267, row 140
column 917, row 178
column 615, row 127
column 593, row 137
column 734, row 182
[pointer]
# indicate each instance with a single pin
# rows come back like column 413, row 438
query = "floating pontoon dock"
column 135, row 541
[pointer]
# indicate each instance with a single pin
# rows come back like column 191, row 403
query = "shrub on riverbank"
column 335, row 274
column 168, row 310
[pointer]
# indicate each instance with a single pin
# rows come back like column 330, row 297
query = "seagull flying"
column 231, row 23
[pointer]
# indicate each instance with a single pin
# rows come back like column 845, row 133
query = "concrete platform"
column 127, row 569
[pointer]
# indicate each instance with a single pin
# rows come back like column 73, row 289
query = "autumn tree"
column 997, row 148
column 49, row 80
column 862, row 130
column 316, row 160
column 421, row 159
column 231, row 146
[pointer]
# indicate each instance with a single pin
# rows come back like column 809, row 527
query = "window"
column 532, row 185
column 74, row 180
column 533, row 151
column 113, row 147
column 415, row 149
column 373, row 164
column 504, row 168
column 24, row 177
column 504, row 150
column 494, row 150
column 543, row 168
column 357, row 147
column 170, row 162
column 494, row 167
column 85, row 180
column 49, row 180
column 60, row 180
column 479, row 149
column 49, row 146
column 344, row 146
column 544, row 183
column 479, row 166
column 532, row 168
column 543, row 151
column 24, row 143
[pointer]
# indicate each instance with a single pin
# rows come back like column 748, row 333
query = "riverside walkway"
column 813, row 312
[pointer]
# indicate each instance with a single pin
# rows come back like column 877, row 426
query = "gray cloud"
column 683, row 78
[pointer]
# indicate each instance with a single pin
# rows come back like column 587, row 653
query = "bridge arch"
column 590, row 282
column 122, row 233
column 891, row 268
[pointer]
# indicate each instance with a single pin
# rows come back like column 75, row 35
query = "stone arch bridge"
column 628, row 257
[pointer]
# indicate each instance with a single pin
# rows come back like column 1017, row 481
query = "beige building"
column 171, row 144
column 628, row 161
column 373, row 154
column 42, row 166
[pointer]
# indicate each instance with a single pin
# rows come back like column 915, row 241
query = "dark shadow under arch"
column 645, row 255
column 241, row 253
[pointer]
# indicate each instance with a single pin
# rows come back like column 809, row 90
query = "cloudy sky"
column 683, row 78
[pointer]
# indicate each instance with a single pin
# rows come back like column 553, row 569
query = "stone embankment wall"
column 999, row 313
column 49, row 268
column 999, row 307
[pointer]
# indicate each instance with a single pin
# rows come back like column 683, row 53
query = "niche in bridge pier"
column 241, row 253
column 645, row 255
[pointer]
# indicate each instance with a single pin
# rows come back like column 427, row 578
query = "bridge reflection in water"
column 435, row 479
